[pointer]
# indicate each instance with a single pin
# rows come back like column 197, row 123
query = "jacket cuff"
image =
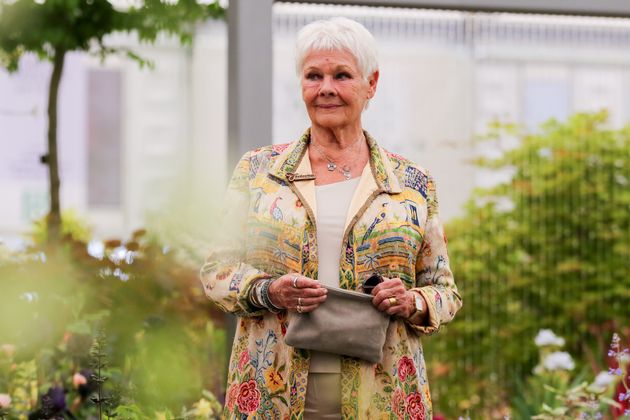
column 432, row 321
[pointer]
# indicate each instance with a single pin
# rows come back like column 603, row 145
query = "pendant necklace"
column 346, row 170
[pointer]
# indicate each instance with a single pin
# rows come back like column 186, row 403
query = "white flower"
column 548, row 338
column 603, row 380
column 5, row 400
column 558, row 360
column 118, row 254
column 96, row 249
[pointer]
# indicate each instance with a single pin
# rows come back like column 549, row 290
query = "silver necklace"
column 346, row 170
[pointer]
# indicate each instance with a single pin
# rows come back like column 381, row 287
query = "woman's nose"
column 327, row 87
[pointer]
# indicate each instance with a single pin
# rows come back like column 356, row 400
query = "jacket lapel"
column 295, row 161
column 306, row 187
column 377, row 177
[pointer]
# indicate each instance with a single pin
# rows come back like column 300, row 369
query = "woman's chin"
column 330, row 122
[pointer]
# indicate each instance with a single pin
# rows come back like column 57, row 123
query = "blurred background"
column 521, row 117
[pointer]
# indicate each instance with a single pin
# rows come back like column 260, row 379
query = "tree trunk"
column 54, row 214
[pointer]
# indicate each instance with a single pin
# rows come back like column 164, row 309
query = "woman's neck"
column 336, row 139
column 337, row 155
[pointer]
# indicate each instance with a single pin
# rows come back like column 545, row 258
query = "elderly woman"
column 330, row 209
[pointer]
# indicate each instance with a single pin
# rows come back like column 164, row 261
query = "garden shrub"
column 547, row 248
column 164, row 341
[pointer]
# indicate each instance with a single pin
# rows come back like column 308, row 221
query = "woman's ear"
column 373, row 82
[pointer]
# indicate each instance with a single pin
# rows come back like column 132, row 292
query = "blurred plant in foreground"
column 165, row 342
column 553, row 393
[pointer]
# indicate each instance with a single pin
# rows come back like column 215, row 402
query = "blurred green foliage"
column 50, row 27
column 73, row 226
column 547, row 248
column 165, row 341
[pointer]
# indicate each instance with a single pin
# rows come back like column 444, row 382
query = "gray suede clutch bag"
column 346, row 323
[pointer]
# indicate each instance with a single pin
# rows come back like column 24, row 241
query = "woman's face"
column 334, row 90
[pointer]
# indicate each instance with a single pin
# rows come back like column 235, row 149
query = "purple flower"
column 616, row 372
column 54, row 401
column 623, row 397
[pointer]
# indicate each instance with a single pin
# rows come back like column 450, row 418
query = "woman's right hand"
column 295, row 292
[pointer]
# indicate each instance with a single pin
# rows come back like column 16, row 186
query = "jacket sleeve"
column 226, row 277
column 433, row 274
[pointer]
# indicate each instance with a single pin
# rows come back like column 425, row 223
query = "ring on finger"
column 392, row 301
column 299, row 301
column 294, row 281
column 299, row 309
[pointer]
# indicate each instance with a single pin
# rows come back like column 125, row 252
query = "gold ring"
column 299, row 301
column 299, row 309
column 392, row 301
column 295, row 279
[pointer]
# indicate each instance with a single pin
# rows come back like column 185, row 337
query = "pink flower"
column 243, row 360
column 406, row 368
column 78, row 379
column 248, row 397
column 398, row 403
column 231, row 396
column 8, row 349
column 5, row 400
column 415, row 408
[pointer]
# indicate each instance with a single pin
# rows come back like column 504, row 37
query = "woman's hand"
column 392, row 296
column 295, row 292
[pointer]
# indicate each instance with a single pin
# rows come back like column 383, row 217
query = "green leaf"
column 80, row 327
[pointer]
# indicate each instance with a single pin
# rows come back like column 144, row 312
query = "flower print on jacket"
column 406, row 368
column 243, row 360
column 398, row 403
column 231, row 396
column 415, row 407
column 273, row 380
column 248, row 398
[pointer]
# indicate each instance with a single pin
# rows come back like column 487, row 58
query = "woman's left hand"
column 392, row 296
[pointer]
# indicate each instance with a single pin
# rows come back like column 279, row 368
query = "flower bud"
column 78, row 379
column 5, row 400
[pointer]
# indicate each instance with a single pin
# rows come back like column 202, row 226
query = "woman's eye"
column 343, row 75
column 312, row 76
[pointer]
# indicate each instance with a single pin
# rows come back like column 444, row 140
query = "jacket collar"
column 382, row 171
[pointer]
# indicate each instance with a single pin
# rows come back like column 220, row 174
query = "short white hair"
column 338, row 34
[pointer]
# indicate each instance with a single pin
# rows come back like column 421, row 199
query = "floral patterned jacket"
column 392, row 226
